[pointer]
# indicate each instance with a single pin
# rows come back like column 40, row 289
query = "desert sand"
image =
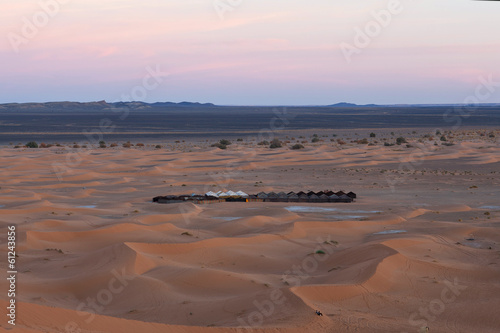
column 419, row 247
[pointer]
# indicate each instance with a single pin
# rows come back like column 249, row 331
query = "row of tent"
column 222, row 194
column 322, row 196
column 231, row 196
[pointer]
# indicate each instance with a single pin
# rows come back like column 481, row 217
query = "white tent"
column 242, row 194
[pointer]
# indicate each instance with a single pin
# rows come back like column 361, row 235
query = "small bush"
column 401, row 140
column 32, row 144
column 113, row 145
column 139, row 144
column 315, row 139
column 158, row 147
column 297, row 146
column 372, row 135
column 363, row 141
column 225, row 142
column 387, row 144
column 219, row 145
column 127, row 145
column 76, row 146
column 276, row 143
column 239, row 139
column 263, row 143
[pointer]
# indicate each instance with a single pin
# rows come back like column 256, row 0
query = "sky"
column 250, row 52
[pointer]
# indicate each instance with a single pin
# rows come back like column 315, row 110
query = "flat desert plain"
column 419, row 247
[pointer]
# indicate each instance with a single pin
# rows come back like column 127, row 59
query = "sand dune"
column 369, row 266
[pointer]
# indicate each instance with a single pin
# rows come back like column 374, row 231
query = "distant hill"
column 351, row 105
column 188, row 104
column 343, row 105
column 96, row 106
column 103, row 106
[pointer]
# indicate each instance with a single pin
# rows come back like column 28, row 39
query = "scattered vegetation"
column 297, row 146
column 372, row 135
column 401, row 140
column 276, row 143
column 222, row 144
column 57, row 250
column 31, row 144
column 219, row 145
column 363, row 141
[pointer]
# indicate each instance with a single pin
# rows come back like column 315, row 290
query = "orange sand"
column 189, row 268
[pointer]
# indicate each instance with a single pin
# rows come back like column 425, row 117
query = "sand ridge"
column 368, row 266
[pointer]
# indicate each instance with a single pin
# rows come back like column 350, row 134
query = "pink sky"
column 260, row 52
